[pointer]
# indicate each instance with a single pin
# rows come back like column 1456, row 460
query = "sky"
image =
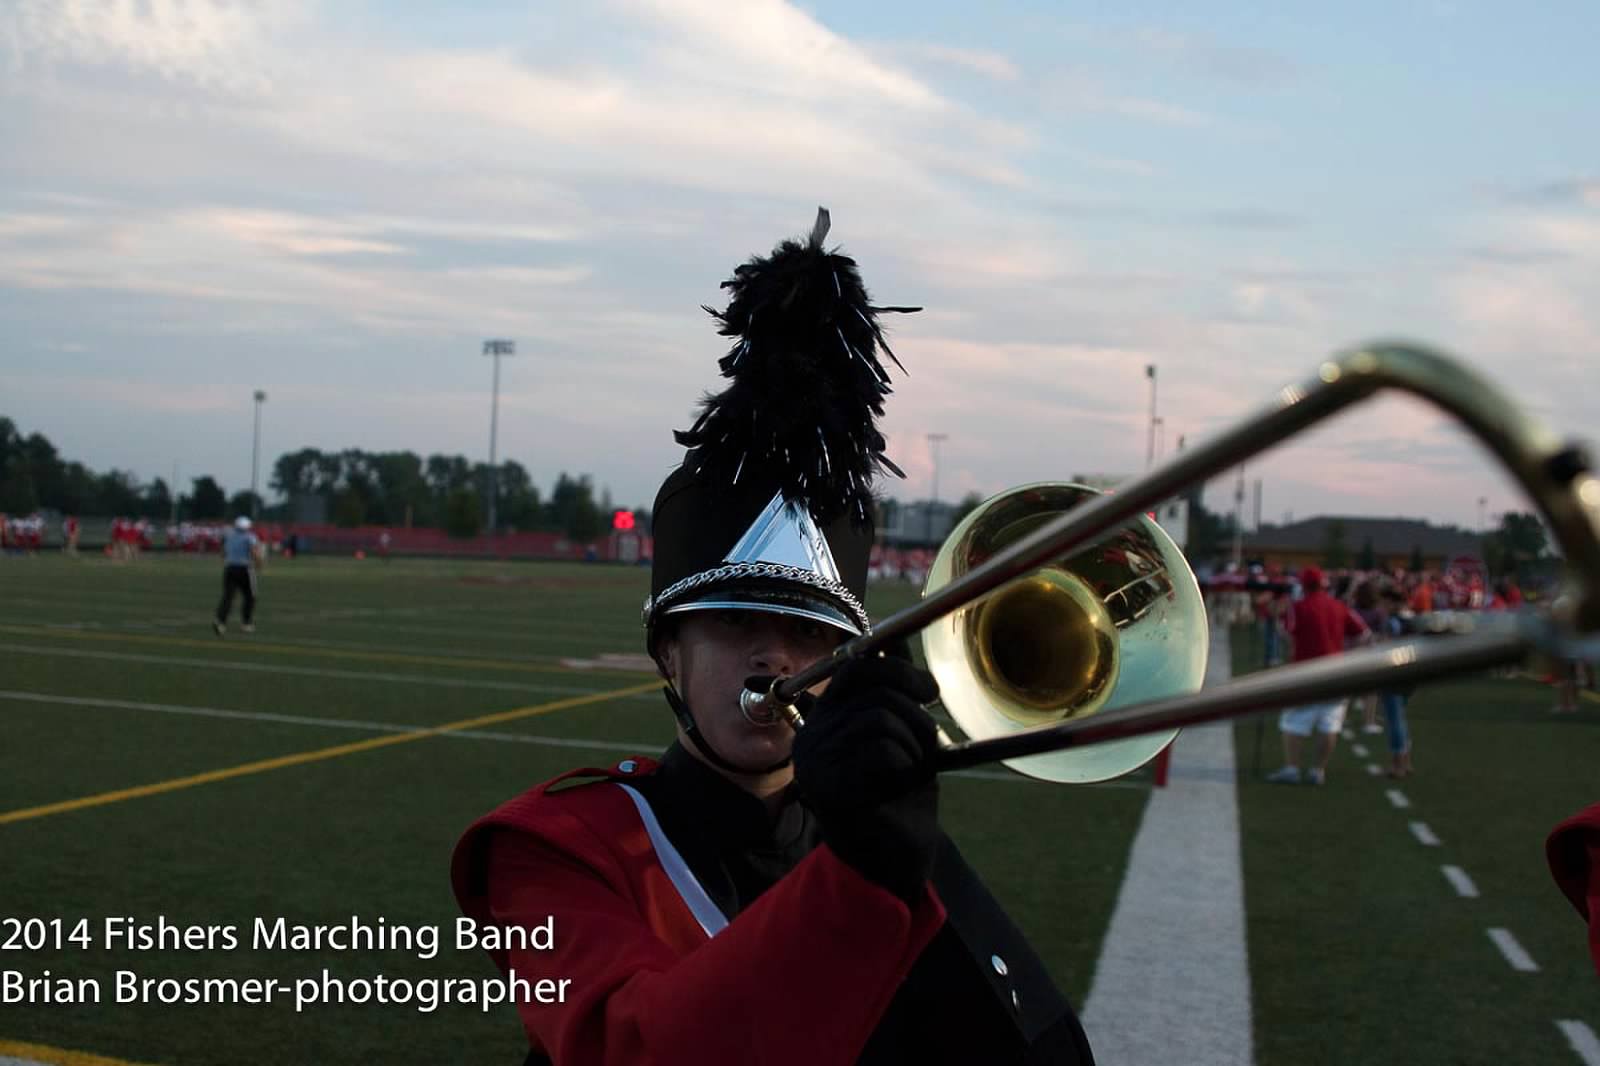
column 338, row 202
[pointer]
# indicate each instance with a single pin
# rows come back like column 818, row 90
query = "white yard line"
column 1374, row 769
column 364, row 726
column 303, row 671
column 1360, row 750
column 1583, row 1041
column 47, row 629
column 1460, row 881
column 1398, row 798
column 1173, row 971
column 357, row 724
column 1519, row 959
column 1423, row 834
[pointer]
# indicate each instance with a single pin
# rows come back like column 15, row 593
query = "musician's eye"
column 814, row 630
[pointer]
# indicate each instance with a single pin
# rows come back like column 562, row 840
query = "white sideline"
column 1519, row 959
column 1173, row 974
column 1583, row 1041
column 1464, row 886
column 1423, row 834
column 303, row 671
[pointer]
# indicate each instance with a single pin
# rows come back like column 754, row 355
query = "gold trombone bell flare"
column 1121, row 621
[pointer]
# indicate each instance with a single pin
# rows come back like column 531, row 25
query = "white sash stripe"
column 712, row 920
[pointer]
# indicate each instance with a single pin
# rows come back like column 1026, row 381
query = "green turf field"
column 1361, row 951
column 149, row 769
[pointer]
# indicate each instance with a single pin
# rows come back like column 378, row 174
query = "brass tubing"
column 1556, row 477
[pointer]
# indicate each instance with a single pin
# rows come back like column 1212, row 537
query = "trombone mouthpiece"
column 756, row 708
column 759, row 707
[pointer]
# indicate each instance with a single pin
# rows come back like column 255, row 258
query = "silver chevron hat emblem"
column 784, row 533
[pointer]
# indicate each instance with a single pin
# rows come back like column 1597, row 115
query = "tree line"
column 34, row 476
column 441, row 491
column 348, row 488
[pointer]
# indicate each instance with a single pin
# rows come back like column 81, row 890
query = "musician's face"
column 712, row 652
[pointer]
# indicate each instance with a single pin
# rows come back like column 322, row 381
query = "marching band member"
column 758, row 895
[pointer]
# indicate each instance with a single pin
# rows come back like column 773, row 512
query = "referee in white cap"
column 240, row 552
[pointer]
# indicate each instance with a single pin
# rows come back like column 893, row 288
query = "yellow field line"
column 315, row 653
column 319, row 754
column 55, row 1056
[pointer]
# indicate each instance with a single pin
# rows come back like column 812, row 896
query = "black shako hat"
column 771, row 509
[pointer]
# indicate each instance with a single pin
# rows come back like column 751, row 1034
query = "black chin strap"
column 680, row 710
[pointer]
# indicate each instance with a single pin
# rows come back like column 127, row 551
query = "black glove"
column 864, row 766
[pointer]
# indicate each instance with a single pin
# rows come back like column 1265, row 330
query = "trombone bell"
column 1044, row 647
column 1118, row 622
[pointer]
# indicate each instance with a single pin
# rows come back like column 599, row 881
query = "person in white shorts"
column 1319, row 625
column 1297, row 724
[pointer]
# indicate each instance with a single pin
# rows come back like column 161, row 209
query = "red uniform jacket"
column 799, row 977
column 1573, row 851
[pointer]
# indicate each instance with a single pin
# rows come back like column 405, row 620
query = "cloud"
column 990, row 64
column 1116, row 164
column 520, row 276
column 1248, row 218
column 788, row 52
column 1584, row 192
column 1155, row 111
column 1219, row 60
column 1508, row 256
column 342, row 210
column 214, row 46
column 242, row 258
column 1528, row 303
column 294, row 234
column 772, row 100
column 128, row 393
column 1078, row 92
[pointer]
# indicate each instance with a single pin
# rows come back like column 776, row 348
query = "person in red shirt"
column 1422, row 595
column 1318, row 625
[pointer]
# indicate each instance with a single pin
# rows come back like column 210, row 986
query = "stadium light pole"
column 495, row 348
column 1238, row 520
column 934, row 440
column 1150, row 449
column 255, row 458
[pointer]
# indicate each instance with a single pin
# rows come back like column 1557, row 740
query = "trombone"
column 1068, row 635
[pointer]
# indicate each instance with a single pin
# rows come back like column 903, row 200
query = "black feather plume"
column 807, row 386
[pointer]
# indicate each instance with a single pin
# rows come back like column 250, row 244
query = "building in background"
column 1349, row 541
column 920, row 523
